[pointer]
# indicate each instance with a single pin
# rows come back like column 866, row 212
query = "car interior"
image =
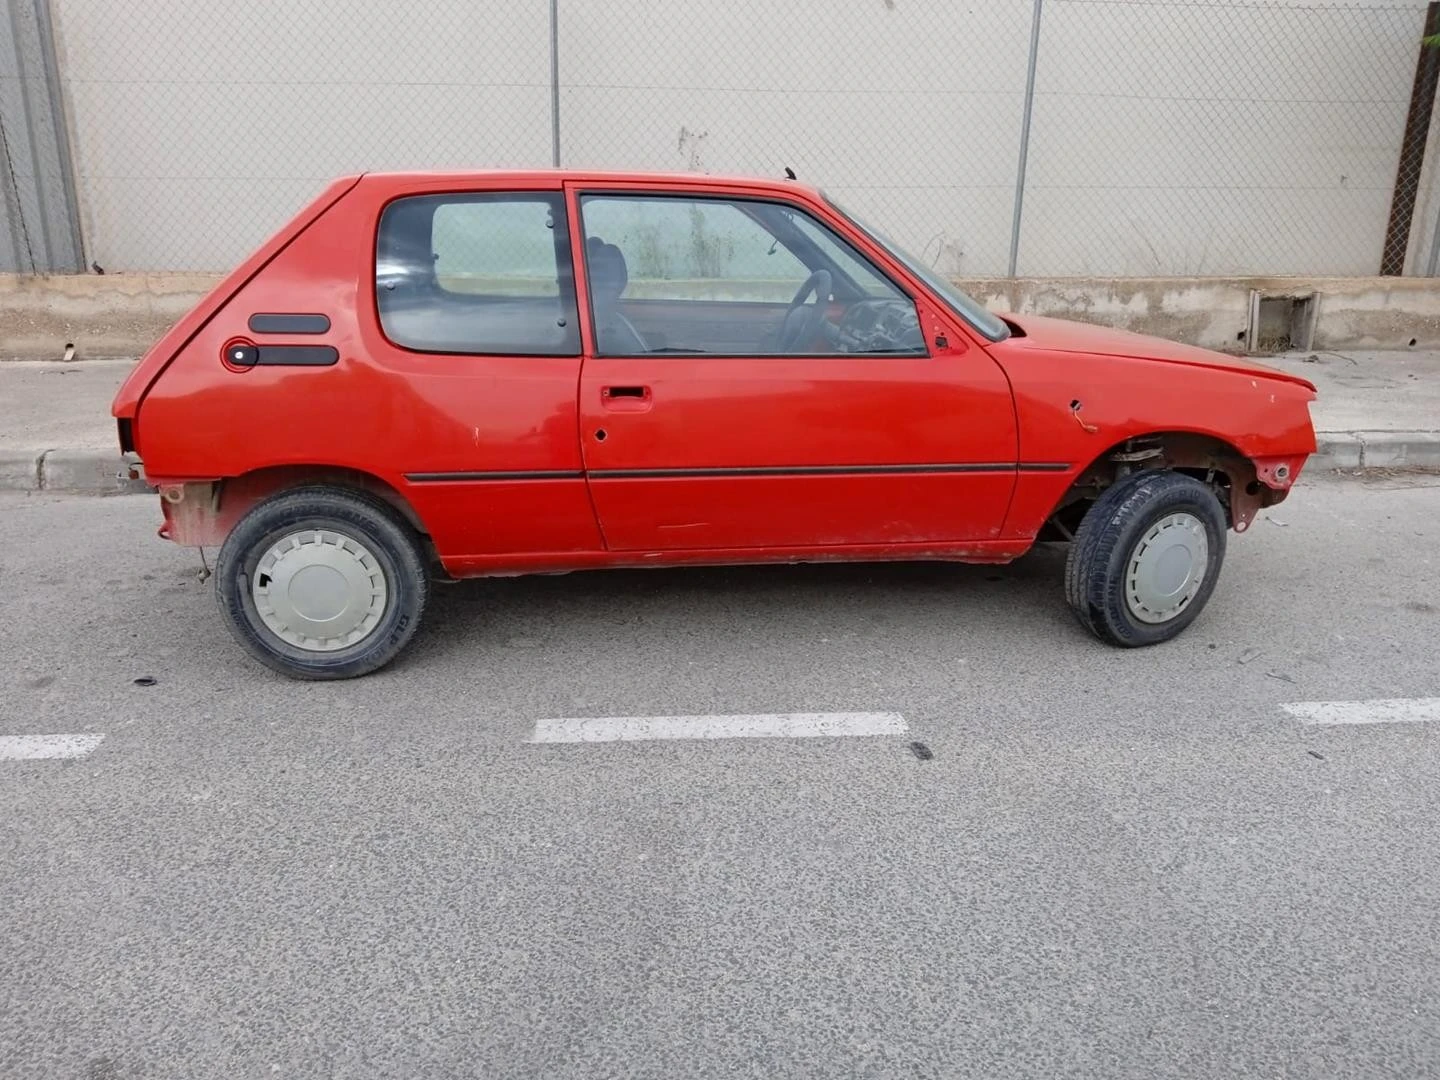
column 839, row 303
column 823, row 298
column 426, row 311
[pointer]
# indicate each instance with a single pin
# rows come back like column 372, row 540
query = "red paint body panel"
column 127, row 399
column 783, row 458
column 815, row 512
column 771, row 413
column 1064, row 335
column 1258, row 410
column 381, row 410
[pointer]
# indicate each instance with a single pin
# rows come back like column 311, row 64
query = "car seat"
column 608, row 277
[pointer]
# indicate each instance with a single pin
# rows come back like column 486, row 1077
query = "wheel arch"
column 202, row 514
column 1213, row 460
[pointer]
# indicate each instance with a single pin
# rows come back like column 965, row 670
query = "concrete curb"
column 1375, row 450
column 20, row 469
column 104, row 472
column 74, row 472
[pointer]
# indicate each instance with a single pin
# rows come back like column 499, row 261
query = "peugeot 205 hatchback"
column 466, row 374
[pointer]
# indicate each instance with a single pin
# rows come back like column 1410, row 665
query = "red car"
column 468, row 374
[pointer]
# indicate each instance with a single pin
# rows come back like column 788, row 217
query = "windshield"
column 960, row 302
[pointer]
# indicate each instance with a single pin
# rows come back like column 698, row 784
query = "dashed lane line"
column 1380, row 711
column 752, row 726
column 40, row 747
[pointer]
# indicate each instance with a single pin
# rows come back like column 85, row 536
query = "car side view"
column 495, row 373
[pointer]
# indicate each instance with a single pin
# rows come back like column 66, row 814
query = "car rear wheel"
column 322, row 583
column 1146, row 558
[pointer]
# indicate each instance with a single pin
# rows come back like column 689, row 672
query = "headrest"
column 608, row 273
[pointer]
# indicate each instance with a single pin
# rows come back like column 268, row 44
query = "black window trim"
column 583, row 192
column 564, row 267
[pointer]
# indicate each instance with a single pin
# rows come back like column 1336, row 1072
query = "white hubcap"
column 319, row 590
column 1167, row 568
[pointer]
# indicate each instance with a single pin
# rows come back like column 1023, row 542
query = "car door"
column 473, row 358
column 724, row 406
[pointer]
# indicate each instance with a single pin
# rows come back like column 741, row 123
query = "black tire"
column 1106, row 542
column 362, row 517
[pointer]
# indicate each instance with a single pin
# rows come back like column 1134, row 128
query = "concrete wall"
column 1215, row 139
column 1353, row 313
column 110, row 316
column 1254, row 136
column 1168, row 138
column 123, row 314
column 201, row 126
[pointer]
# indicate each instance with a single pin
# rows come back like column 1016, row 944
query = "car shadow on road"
column 1029, row 588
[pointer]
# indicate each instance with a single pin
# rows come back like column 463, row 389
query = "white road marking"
column 36, row 747
column 1382, row 711
column 757, row 726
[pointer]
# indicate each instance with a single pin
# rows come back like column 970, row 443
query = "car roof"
column 593, row 176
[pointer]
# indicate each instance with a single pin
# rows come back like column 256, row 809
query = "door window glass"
column 735, row 277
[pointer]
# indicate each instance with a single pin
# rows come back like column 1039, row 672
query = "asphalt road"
column 1115, row 864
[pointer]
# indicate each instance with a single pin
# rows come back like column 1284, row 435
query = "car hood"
column 1063, row 335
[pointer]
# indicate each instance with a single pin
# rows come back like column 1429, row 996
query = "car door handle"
column 625, row 398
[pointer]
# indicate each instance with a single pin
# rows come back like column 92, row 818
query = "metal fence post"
column 1412, row 151
column 1433, row 259
column 555, row 83
column 65, row 164
column 1025, row 136
column 43, row 236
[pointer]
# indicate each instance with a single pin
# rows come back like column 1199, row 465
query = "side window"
column 737, row 277
column 483, row 274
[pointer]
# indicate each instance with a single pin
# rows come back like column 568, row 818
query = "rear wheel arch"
column 202, row 515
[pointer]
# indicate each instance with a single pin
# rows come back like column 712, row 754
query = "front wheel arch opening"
column 1214, row 462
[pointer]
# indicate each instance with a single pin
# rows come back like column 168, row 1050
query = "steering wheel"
column 803, row 321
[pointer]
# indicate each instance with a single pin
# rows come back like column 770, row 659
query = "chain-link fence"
column 1216, row 138
column 908, row 112
column 1165, row 137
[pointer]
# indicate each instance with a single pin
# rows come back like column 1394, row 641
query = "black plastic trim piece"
column 289, row 323
column 296, row 355
column 760, row 470
column 828, row 470
column 452, row 477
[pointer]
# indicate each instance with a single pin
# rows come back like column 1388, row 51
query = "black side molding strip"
column 454, row 477
column 296, row 355
column 830, row 470
column 289, row 323
column 765, row 470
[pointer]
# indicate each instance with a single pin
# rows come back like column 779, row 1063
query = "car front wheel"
column 1146, row 558
column 322, row 583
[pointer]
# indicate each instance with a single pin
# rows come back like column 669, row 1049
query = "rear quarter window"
column 485, row 274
